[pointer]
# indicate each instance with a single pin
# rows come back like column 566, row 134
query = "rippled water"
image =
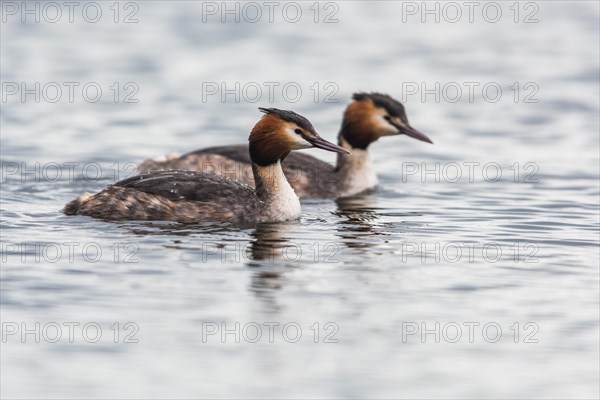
column 449, row 281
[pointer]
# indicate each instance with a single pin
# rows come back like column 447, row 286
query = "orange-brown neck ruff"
column 362, row 123
column 267, row 144
column 357, row 126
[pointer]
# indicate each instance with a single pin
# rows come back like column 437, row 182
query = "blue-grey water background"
column 367, row 270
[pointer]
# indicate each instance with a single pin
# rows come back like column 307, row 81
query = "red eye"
column 387, row 117
column 298, row 131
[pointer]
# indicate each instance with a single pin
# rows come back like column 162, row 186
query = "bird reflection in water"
column 271, row 255
column 361, row 222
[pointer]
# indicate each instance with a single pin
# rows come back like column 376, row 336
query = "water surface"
column 495, row 227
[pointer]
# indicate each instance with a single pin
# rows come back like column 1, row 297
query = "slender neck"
column 357, row 158
column 354, row 172
column 270, row 182
column 280, row 202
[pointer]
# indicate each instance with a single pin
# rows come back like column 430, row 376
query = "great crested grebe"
column 367, row 118
column 192, row 196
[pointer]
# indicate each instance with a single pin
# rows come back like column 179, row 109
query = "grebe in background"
column 192, row 196
column 367, row 118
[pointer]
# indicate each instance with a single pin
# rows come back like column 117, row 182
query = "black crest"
column 393, row 107
column 290, row 116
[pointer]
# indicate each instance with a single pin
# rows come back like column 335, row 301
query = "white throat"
column 356, row 171
column 274, row 188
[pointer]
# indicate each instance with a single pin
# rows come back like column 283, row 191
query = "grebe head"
column 279, row 131
column 372, row 115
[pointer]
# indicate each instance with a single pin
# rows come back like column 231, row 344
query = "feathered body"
column 367, row 118
column 192, row 196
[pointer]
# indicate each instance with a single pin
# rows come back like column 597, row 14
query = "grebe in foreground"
column 191, row 196
column 367, row 118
